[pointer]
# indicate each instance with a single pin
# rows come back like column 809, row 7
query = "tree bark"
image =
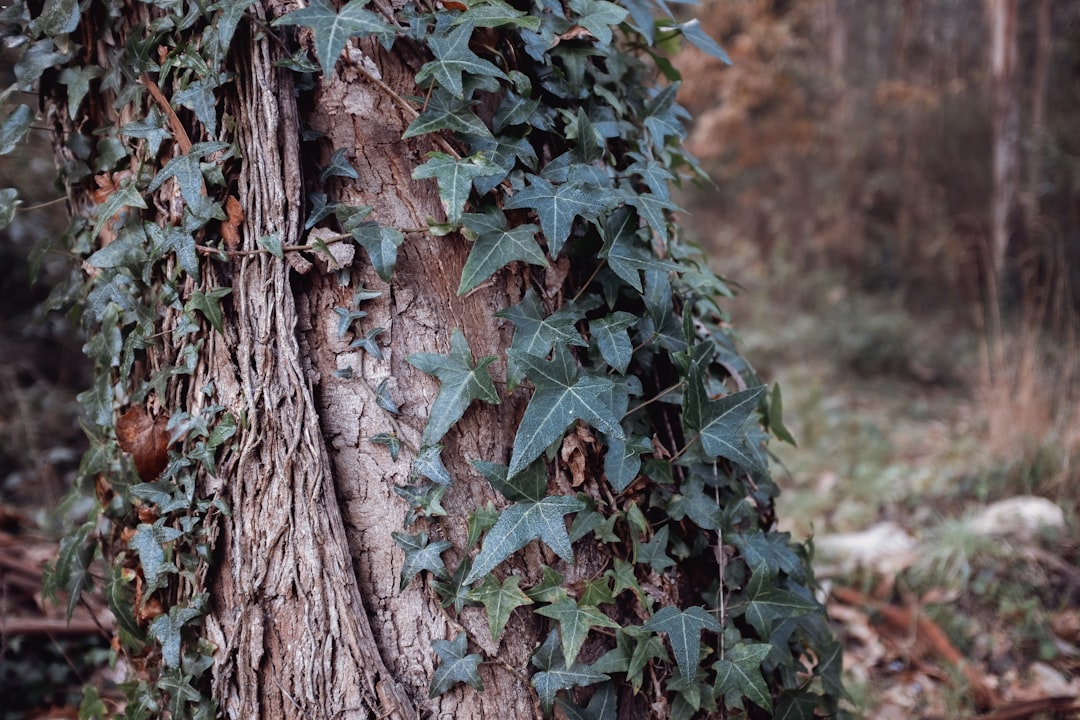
column 306, row 613
column 1005, row 121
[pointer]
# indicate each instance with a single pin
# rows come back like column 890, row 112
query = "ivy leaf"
column 574, row 624
column 332, row 29
column 14, row 128
column 455, row 178
column 461, row 380
column 651, row 208
column 535, row 333
column 454, row 591
column 611, row 339
column 738, row 675
column 177, row 685
column 603, row 705
column 382, row 244
column 346, row 318
column 209, row 304
column 77, row 81
column 720, row 422
column 174, row 239
column 127, row 195
column 424, row 500
column 655, row 174
column 654, row 552
column 166, row 629
column 683, row 628
column 554, row 677
column 557, row 206
column 452, row 58
column 766, row 602
column 338, row 166
column 272, row 244
column 496, row 13
column 521, row 523
column 383, row 399
column 9, row 201
column 149, row 541
column 390, row 441
column 188, row 171
column 691, row 30
column 499, row 600
column 771, row 550
column 429, row 464
column 454, row 666
column 121, row 597
column 549, row 589
column 796, row 705
column 38, row 58
column 598, row 16
column 445, row 112
column 150, row 128
column 58, row 17
column 559, row 398
column 420, row 555
column 494, row 250
column 71, row 571
column 199, row 98
column 775, row 417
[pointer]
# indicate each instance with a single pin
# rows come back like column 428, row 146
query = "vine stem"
column 653, row 399
column 40, row 205
column 584, row 287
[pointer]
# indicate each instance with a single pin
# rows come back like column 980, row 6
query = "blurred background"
column 896, row 193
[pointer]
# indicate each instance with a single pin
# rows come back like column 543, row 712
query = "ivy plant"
column 559, row 136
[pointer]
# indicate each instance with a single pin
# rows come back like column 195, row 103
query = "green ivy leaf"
column 209, row 304
column 561, row 395
column 176, row 684
column 557, row 206
column 683, row 628
column 77, row 80
column 454, row 591
column 454, row 666
column 775, row 417
column 691, row 30
column 150, row 128
column 382, row 244
column 771, row 550
column 383, row 399
column 624, row 251
column 149, row 542
column 603, row 705
column 9, row 201
column 574, row 624
column 127, row 195
column 598, row 17
column 272, row 244
column 499, row 599
column 445, row 112
column 121, row 599
column 766, row 602
column 549, row 589
column 738, row 675
column 721, row 422
column 455, row 178
column 453, row 58
column 188, row 171
column 14, row 128
column 611, row 338
column 481, row 519
column 536, row 333
column 58, row 17
column 495, row 249
column 38, row 58
column 424, row 500
column 554, row 677
column 796, row 705
column 199, row 98
column 332, row 29
column 71, row 571
column 338, row 166
column 390, row 441
column 461, row 380
column 346, row 318
column 429, row 464
column 654, row 552
column 496, row 13
column 521, row 523
column 420, row 555
column 651, row 208
column 166, row 629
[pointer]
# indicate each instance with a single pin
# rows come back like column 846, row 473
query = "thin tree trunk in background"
column 1044, row 45
column 1005, row 122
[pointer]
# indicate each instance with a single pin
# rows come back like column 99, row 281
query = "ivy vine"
column 559, row 137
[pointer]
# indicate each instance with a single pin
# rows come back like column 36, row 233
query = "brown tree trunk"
column 1005, row 121
column 307, row 614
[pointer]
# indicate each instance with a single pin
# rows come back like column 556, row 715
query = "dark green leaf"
column 654, row 552
column 738, row 675
column 611, row 338
column 166, row 629
column 624, row 250
column 557, row 206
column 721, row 422
column 188, row 171
column 429, row 464
column 692, row 31
column 58, row 17
column 537, row 333
column 461, row 380
column 151, row 128
column 521, row 523
column 796, row 705
column 776, row 417
column 766, row 602
column 494, row 250
column 598, row 17
column 499, row 600
column 452, row 58
column 209, row 304
column 338, row 166
column 560, row 397
column 126, row 195
column 603, row 705
column 9, row 200
column 455, row 178
column 496, row 13
column 771, row 550
column 574, row 624
column 78, row 80
column 683, row 628
column 553, row 676
column 368, row 343
column 420, row 555
column 149, row 542
column 346, row 318
column 390, row 441
column 199, row 98
column 382, row 244
column 121, row 599
column 454, row 666
column 424, row 500
column 177, row 686
column 332, row 29
column 38, row 58
column 445, row 112
column 549, row 589
column 383, row 399
column 272, row 244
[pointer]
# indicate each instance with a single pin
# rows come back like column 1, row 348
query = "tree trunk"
column 306, row 611
column 1005, row 121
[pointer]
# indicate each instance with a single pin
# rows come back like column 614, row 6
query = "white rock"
column 1019, row 517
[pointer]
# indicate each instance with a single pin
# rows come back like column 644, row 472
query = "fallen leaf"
column 230, row 228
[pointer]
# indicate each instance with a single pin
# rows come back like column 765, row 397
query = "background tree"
column 291, row 322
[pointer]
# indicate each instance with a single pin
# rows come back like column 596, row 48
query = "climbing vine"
column 559, row 136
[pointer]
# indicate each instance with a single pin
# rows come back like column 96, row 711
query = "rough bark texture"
column 307, row 612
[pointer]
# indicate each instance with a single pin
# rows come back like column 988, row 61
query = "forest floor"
column 937, row 479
